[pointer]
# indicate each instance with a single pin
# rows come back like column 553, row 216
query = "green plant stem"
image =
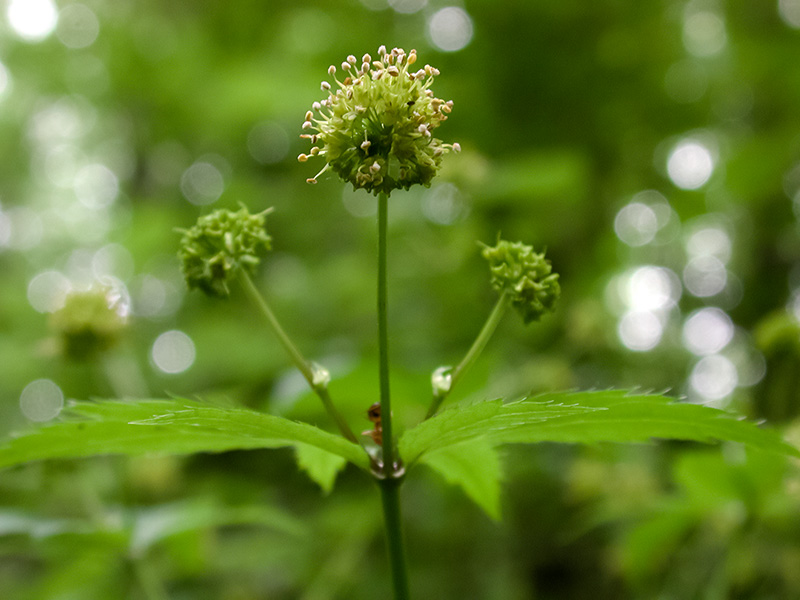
column 383, row 341
column 475, row 350
column 391, row 476
column 320, row 388
column 390, row 498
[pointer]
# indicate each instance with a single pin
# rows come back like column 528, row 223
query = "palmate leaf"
column 475, row 467
column 586, row 417
column 461, row 442
column 175, row 426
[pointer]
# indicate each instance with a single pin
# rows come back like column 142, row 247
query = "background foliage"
column 653, row 148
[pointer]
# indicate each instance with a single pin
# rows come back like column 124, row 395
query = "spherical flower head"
column 525, row 275
column 376, row 130
column 219, row 244
column 90, row 322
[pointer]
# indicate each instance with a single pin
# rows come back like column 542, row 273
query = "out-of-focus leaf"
column 154, row 524
column 322, row 467
column 586, row 417
column 475, row 467
column 167, row 427
column 651, row 543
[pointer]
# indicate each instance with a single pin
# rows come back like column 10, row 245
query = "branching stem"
column 472, row 354
column 319, row 385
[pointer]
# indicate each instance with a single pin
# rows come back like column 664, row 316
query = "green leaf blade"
column 475, row 467
column 167, row 427
column 587, row 417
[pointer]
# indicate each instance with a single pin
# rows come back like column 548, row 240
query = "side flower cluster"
column 376, row 130
column 525, row 275
column 220, row 244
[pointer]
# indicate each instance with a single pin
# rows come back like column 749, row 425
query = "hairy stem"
column 472, row 354
column 319, row 385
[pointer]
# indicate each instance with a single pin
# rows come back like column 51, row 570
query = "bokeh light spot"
column 450, row 29
column 707, row 331
column 714, row 377
column 78, row 26
column 704, row 33
column 41, row 400
column 202, row 183
column 636, row 224
column 443, row 204
column 705, row 276
column 408, row 6
column 32, row 20
column 710, row 241
column 25, row 229
column 640, row 330
column 690, row 165
column 173, row 352
column 789, row 10
column 651, row 288
column 96, row 186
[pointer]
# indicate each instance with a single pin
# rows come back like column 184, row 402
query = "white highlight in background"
column 41, row 400
column 173, row 352
column 707, row 331
column 640, row 330
column 690, row 165
column 714, row 377
column 450, row 29
column 32, row 20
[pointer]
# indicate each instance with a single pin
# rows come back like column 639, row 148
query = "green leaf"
column 474, row 466
column 586, row 417
column 167, row 427
column 322, row 467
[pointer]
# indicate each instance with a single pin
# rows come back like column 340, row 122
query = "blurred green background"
column 652, row 147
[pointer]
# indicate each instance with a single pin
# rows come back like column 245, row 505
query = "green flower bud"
column 375, row 130
column 220, row 244
column 525, row 275
column 90, row 322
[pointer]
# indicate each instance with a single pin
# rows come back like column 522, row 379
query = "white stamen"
column 325, row 86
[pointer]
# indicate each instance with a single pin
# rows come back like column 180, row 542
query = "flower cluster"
column 376, row 130
column 525, row 275
column 90, row 322
column 220, row 244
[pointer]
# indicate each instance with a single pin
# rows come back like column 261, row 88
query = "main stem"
column 321, row 389
column 383, row 340
column 391, row 476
